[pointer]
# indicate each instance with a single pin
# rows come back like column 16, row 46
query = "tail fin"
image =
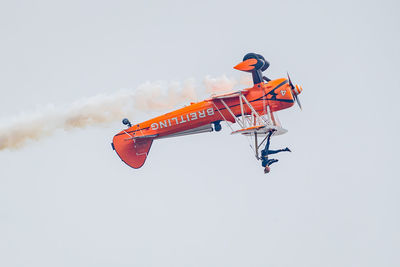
column 132, row 151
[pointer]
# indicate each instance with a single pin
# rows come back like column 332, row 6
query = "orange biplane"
column 252, row 109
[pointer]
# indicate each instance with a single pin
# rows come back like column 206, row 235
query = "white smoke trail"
column 104, row 108
column 100, row 109
column 160, row 96
column 219, row 84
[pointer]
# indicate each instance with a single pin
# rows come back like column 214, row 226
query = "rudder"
column 132, row 151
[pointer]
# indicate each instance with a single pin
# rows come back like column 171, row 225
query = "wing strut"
column 251, row 124
column 252, row 109
column 242, row 110
column 233, row 115
column 222, row 115
column 256, row 145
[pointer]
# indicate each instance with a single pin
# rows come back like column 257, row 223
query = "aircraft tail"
column 132, row 151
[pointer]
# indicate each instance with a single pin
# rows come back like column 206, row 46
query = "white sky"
column 203, row 200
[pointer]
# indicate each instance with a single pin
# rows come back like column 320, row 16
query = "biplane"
column 252, row 111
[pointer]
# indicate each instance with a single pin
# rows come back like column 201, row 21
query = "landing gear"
column 217, row 126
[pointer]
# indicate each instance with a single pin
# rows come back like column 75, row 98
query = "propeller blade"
column 290, row 81
column 298, row 101
column 296, row 98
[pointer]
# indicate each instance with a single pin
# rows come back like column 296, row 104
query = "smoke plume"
column 104, row 108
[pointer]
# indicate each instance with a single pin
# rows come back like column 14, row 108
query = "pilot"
column 266, row 66
column 255, row 64
column 265, row 162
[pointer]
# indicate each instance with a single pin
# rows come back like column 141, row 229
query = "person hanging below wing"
column 265, row 161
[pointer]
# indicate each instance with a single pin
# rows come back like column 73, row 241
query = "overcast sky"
column 203, row 200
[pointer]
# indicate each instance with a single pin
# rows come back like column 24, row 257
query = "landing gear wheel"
column 217, row 126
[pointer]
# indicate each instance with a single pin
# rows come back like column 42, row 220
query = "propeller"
column 296, row 98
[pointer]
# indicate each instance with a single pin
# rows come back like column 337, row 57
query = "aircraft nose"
column 298, row 89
